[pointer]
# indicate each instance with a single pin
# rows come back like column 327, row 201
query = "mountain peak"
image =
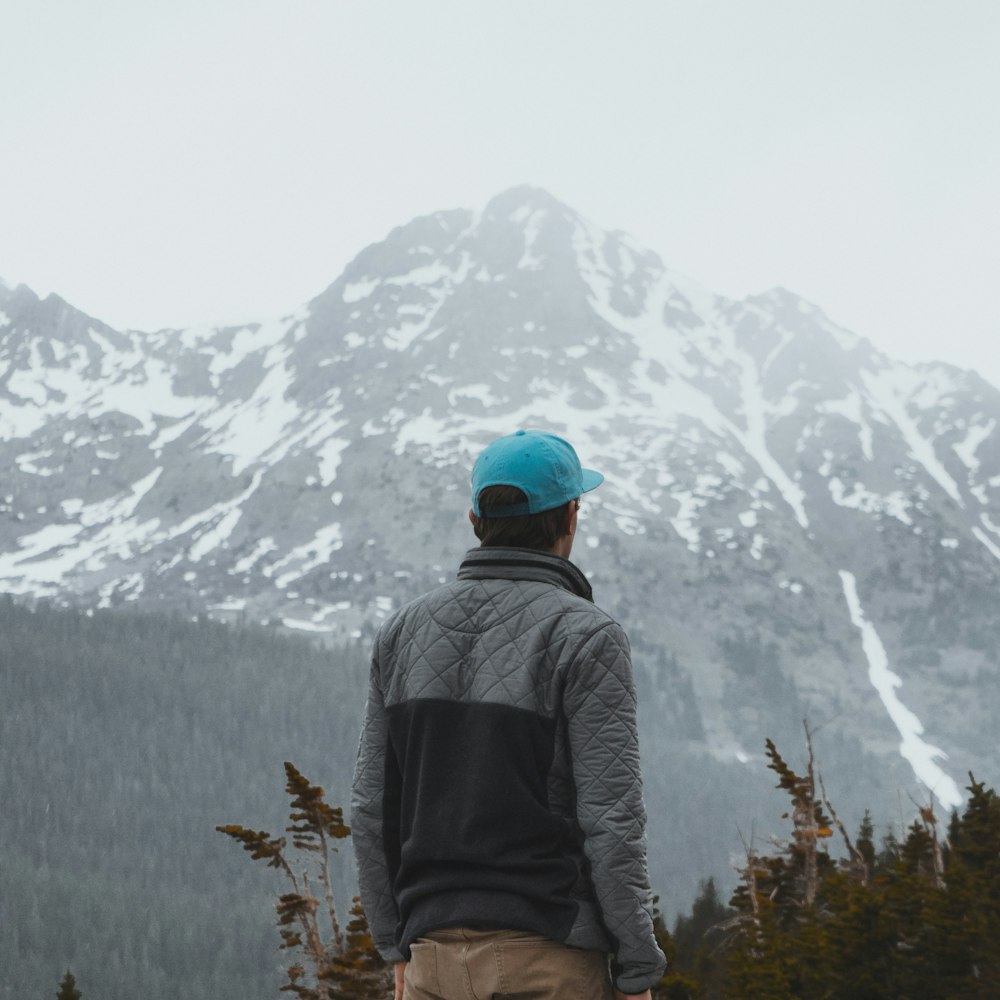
column 782, row 297
column 522, row 200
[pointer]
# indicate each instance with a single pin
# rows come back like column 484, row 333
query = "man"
column 497, row 808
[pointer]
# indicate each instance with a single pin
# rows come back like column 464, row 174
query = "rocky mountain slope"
column 793, row 525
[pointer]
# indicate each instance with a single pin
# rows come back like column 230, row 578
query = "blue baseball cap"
column 544, row 467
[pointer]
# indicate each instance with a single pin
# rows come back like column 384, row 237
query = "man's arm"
column 367, row 813
column 599, row 702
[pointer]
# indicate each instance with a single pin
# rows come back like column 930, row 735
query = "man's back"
column 500, row 695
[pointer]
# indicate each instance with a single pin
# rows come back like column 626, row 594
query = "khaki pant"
column 465, row 964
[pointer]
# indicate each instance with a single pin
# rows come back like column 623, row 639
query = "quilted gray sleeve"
column 366, row 826
column 599, row 702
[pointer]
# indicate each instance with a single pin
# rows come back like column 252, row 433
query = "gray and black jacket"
column 497, row 782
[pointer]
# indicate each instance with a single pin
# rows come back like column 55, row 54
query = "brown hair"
column 525, row 531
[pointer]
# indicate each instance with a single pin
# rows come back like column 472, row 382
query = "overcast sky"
column 222, row 160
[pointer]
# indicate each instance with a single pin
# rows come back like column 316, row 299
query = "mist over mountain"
column 794, row 526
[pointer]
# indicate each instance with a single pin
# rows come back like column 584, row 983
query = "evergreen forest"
column 131, row 741
column 125, row 739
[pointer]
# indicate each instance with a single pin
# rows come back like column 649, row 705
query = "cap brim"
column 591, row 480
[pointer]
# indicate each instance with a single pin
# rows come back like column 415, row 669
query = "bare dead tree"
column 332, row 964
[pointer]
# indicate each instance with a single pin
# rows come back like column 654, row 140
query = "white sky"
column 163, row 164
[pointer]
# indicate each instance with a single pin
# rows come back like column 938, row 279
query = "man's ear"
column 571, row 518
column 472, row 516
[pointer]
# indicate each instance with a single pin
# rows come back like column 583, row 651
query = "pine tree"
column 866, row 840
column 860, row 938
column 758, row 965
column 675, row 983
column 913, row 899
column 974, row 883
column 67, row 988
column 698, row 938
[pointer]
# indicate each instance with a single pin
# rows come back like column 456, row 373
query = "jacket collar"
column 495, row 563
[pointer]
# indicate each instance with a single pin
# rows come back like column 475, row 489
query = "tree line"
column 125, row 739
column 128, row 739
column 910, row 918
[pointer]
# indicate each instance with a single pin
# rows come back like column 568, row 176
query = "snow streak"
column 921, row 756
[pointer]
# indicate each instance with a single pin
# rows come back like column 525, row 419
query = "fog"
column 164, row 166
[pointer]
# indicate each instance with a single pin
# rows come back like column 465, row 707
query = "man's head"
column 525, row 492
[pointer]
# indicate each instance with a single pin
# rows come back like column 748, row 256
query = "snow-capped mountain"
column 793, row 524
